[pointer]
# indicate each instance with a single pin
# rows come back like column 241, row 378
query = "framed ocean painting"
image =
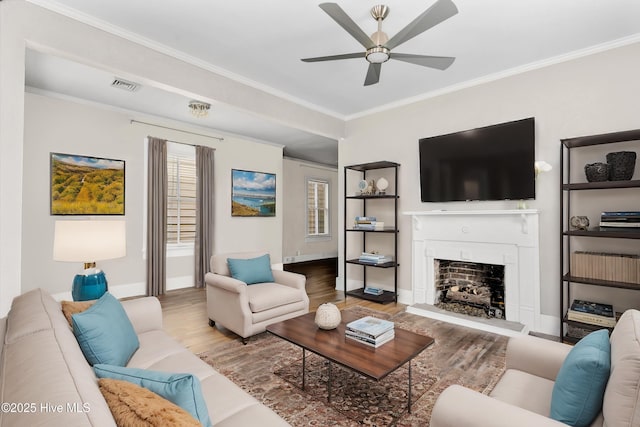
column 85, row 185
column 253, row 193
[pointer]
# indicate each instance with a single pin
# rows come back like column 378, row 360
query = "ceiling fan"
column 379, row 45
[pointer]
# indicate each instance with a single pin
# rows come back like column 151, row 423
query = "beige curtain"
column 157, row 189
column 204, row 212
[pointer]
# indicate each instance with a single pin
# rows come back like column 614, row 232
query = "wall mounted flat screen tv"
column 490, row 163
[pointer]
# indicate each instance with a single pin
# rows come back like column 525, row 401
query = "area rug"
column 270, row 369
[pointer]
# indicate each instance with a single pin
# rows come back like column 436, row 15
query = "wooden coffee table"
column 374, row 363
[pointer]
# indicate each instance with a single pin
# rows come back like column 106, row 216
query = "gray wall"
column 57, row 125
column 589, row 95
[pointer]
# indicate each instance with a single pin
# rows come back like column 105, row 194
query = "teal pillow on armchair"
column 252, row 270
column 579, row 388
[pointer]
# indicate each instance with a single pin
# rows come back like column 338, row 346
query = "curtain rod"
column 179, row 130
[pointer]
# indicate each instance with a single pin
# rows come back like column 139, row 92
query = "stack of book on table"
column 371, row 258
column 620, row 220
column 368, row 223
column 592, row 313
column 370, row 331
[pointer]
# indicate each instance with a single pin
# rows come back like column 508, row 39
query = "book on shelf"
column 365, row 219
column 621, row 213
column 372, row 225
column 620, row 218
column 604, row 310
column 374, row 258
column 619, row 224
column 369, row 326
column 592, row 319
column 372, row 342
column 373, row 291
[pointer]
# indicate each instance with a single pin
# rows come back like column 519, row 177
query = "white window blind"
column 181, row 200
column 317, row 207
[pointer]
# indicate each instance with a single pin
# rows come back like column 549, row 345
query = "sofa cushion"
column 182, row 389
column 266, row 296
column 105, row 333
column 252, row 270
column 132, row 405
column 579, row 388
column 621, row 406
column 525, row 391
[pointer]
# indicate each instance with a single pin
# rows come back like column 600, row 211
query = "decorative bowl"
column 596, row 172
column 328, row 316
column 621, row 165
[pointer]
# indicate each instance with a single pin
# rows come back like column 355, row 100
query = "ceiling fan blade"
column 339, row 15
column 438, row 62
column 334, row 57
column 438, row 12
column 373, row 74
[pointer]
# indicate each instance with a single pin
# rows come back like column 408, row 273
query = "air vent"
column 125, row 85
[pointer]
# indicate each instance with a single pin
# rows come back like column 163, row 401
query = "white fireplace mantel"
column 501, row 237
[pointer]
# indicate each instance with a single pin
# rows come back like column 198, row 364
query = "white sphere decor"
column 328, row 316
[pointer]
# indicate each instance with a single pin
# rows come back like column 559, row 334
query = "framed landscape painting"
column 253, row 193
column 84, row 185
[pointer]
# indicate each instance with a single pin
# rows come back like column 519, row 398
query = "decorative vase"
column 328, row 316
column 579, row 222
column 621, row 165
column 596, row 172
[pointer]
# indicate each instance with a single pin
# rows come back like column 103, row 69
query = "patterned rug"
column 270, row 369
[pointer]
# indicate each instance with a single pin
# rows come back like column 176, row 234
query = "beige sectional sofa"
column 45, row 379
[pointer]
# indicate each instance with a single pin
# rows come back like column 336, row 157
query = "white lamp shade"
column 89, row 241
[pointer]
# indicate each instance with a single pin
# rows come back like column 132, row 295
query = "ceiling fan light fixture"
column 378, row 55
column 199, row 109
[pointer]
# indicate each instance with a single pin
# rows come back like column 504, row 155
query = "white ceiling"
column 261, row 42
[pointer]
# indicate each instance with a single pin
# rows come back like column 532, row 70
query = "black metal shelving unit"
column 566, row 235
column 387, row 296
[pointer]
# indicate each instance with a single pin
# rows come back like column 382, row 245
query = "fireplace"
column 470, row 288
column 503, row 242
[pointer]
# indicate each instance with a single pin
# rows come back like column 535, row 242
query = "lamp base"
column 88, row 287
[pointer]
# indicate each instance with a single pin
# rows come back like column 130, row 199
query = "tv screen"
column 490, row 163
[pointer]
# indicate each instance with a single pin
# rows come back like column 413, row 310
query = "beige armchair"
column 248, row 309
column 522, row 397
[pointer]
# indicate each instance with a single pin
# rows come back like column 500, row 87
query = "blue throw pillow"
column 181, row 389
column 105, row 333
column 579, row 388
column 252, row 270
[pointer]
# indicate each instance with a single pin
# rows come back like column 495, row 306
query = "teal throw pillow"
column 105, row 333
column 182, row 389
column 579, row 388
column 252, row 270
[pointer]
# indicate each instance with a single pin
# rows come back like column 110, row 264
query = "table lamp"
column 88, row 242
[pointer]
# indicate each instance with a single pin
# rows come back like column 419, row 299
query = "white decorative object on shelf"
column 328, row 316
column 382, row 185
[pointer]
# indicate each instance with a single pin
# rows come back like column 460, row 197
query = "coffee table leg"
column 409, row 407
column 304, row 363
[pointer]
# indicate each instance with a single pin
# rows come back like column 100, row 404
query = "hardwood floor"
column 185, row 311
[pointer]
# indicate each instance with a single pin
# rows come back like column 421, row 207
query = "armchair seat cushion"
column 525, row 391
column 265, row 296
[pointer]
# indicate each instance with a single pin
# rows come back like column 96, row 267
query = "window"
column 317, row 208
column 181, row 200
